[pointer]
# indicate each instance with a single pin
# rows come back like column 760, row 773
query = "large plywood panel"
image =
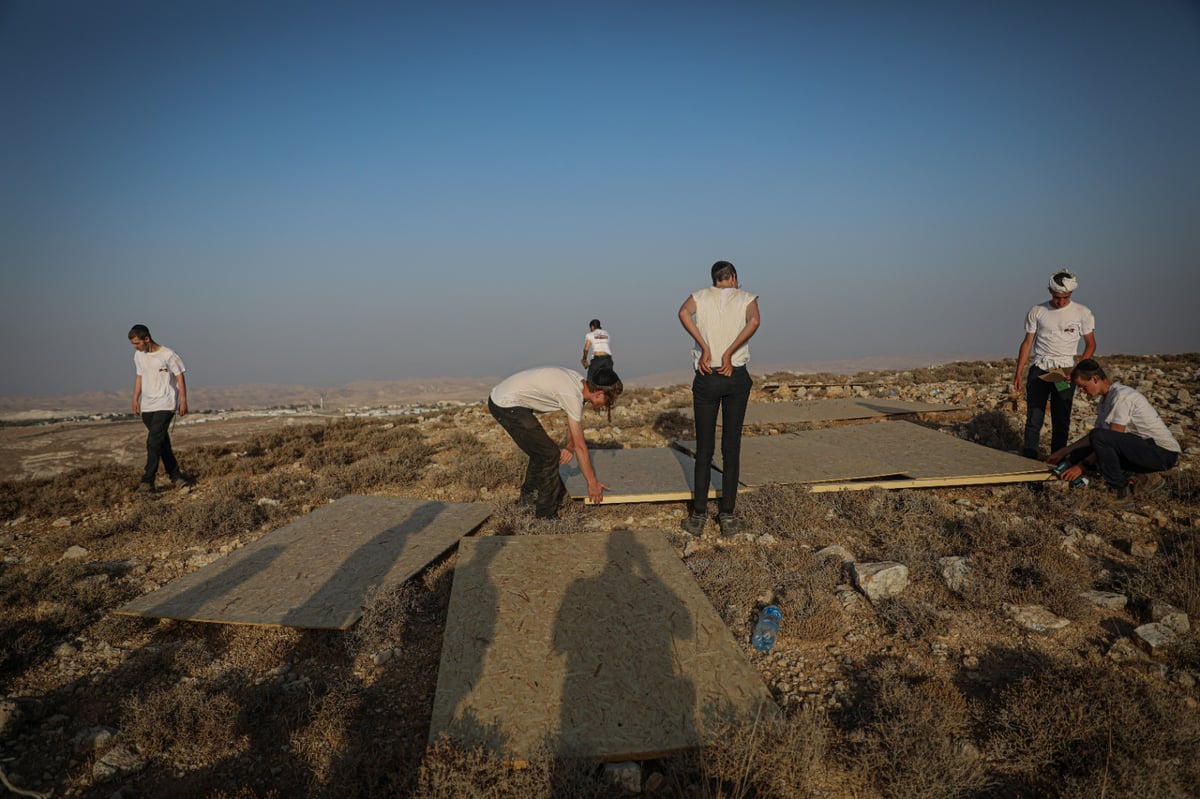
column 899, row 450
column 841, row 409
column 787, row 459
column 834, row 410
column 596, row 645
column 318, row 570
column 639, row 475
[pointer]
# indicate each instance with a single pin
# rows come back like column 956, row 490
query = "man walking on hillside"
column 598, row 342
column 1052, row 332
column 159, row 391
column 514, row 403
column 1129, row 437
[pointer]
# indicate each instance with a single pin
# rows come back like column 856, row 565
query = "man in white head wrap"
column 1052, row 333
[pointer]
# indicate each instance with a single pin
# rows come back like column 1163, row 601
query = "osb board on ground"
column 639, row 475
column 597, row 645
column 834, row 410
column 909, row 453
column 318, row 570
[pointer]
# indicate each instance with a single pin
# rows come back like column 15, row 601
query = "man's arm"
column 1022, row 361
column 182, row 394
column 137, row 395
column 686, row 313
column 753, row 320
column 579, row 445
column 1089, row 346
column 586, row 346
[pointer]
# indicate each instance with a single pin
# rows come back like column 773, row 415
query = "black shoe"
column 729, row 525
column 181, row 482
column 693, row 524
column 144, row 488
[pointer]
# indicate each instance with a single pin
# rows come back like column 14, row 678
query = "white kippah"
column 1063, row 282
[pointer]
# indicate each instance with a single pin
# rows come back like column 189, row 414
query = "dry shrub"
column 767, row 757
column 387, row 617
column 738, row 579
column 473, row 466
column 914, row 738
column 322, row 742
column 910, row 618
column 70, row 494
column 183, row 723
column 674, row 425
column 993, row 429
column 452, row 771
column 1094, row 731
column 1036, row 573
column 783, row 511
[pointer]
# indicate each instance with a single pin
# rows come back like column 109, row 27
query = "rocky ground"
column 1015, row 640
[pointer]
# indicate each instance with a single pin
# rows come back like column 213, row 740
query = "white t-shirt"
column 599, row 342
column 720, row 317
column 542, row 390
column 1057, row 332
column 160, row 390
column 1126, row 406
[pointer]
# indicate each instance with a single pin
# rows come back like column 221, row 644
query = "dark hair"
column 722, row 270
column 606, row 380
column 1087, row 369
column 139, row 332
column 595, row 323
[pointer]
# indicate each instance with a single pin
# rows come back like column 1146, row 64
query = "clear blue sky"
column 317, row 193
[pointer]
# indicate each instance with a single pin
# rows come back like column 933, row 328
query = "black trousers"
column 713, row 393
column 542, row 479
column 1118, row 454
column 158, row 445
column 1037, row 393
column 598, row 362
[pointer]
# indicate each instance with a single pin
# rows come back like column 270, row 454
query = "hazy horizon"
column 318, row 194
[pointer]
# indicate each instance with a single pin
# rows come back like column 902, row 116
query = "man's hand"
column 1072, row 473
column 183, row 406
column 702, row 366
column 596, row 491
column 1056, row 456
column 1017, row 383
column 564, row 457
column 137, row 407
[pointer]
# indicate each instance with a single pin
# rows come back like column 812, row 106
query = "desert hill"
column 1045, row 642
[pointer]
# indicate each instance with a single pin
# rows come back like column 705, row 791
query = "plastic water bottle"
column 766, row 629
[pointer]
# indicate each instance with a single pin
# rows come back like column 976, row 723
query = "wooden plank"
column 596, row 645
column 893, row 449
column 786, row 459
column 834, row 410
column 944, row 482
column 639, row 475
column 318, row 570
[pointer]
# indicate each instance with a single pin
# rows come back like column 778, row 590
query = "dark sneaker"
column 144, row 488
column 181, row 482
column 1147, row 485
column 729, row 525
column 1122, row 498
column 693, row 524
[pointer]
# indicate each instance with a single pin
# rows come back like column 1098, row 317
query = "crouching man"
column 515, row 401
column 1129, row 444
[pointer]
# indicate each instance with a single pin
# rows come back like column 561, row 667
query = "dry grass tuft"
column 1092, row 731
column 993, row 429
column 184, row 723
column 913, row 737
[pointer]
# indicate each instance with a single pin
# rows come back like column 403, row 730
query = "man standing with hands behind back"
column 158, row 391
column 1052, row 332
